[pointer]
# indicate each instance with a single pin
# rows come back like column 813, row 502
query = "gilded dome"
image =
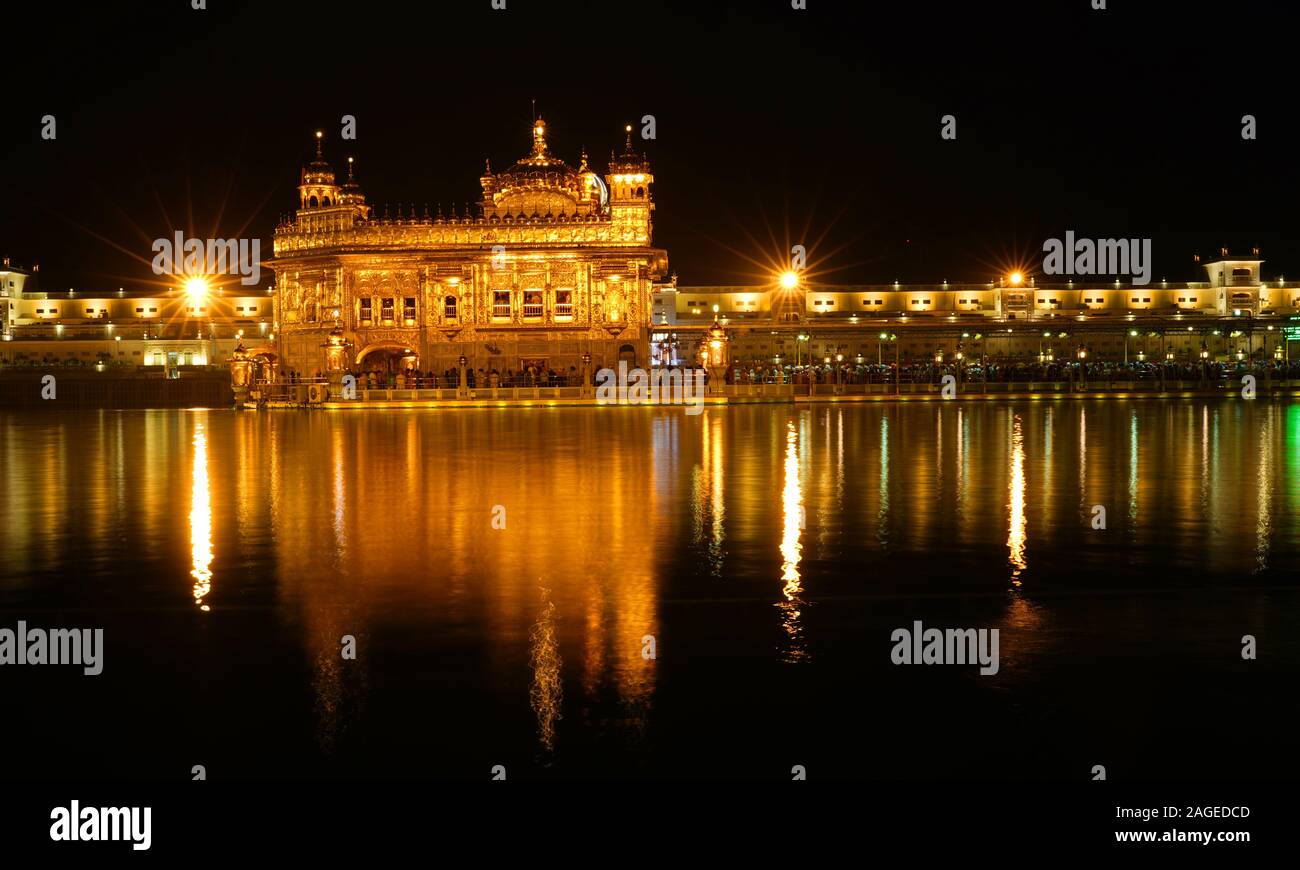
column 540, row 183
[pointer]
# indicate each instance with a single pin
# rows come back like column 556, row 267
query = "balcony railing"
column 533, row 309
column 501, row 312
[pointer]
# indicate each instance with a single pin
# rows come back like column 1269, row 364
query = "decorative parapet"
column 426, row 234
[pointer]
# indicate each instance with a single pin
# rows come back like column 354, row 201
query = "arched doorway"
column 266, row 363
column 627, row 353
column 387, row 358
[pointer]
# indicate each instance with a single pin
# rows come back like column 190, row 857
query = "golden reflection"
column 715, row 486
column 547, row 690
column 1016, row 524
column 1083, row 457
column 791, row 549
column 709, row 509
column 960, row 471
column 1264, row 491
column 882, row 518
column 337, row 456
column 201, row 521
column 1132, row 468
column 1023, row 637
column 938, row 449
column 1047, row 464
column 1205, row 459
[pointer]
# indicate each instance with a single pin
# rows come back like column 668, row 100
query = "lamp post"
column 716, row 351
column 1083, row 366
column 462, row 392
column 898, row 366
column 586, row 375
column 240, row 369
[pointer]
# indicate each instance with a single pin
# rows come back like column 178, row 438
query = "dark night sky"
column 774, row 126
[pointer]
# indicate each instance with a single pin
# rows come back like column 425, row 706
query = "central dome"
column 540, row 184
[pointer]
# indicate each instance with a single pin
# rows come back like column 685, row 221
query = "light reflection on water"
column 793, row 516
column 1016, row 503
column 201, row 521
column 380, row 527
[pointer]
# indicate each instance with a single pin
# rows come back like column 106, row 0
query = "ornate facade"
column 552, row 263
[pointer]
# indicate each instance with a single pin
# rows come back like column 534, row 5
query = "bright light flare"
column 196, row 289
column 789, row 280
column 1016, row 279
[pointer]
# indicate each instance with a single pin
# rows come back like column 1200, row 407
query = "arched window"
column 640, row 193
column 325, row 202
column 449, row 307
column 311, row 201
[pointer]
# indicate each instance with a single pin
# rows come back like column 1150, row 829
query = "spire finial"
column 539, row 138
column 487, row 166
column 350, row 179
column 319, row 135
column 628, row 128
column 583, row 166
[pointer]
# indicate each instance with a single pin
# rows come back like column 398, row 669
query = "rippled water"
column 765, row 552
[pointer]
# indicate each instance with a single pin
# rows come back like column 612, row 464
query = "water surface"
column 769, row 551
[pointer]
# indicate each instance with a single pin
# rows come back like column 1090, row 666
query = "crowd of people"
column 380, row 379
column 915, row 371
column 1009, row 371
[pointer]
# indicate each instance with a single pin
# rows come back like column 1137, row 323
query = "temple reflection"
column 380, row 527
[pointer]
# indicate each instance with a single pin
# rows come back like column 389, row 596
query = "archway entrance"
column 266, row 364
column 627, row 353
column 388, row 358
column 388, row 364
